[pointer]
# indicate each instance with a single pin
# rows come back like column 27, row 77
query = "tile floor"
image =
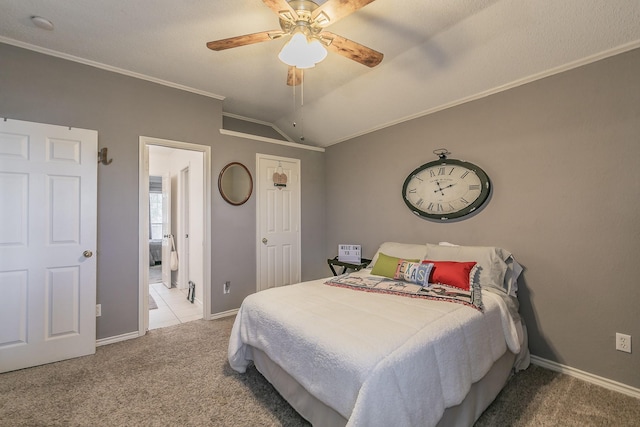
column 173, row 307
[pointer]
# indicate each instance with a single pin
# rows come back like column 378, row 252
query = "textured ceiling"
column 437, row 53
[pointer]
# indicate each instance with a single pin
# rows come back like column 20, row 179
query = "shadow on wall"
column 538, row 344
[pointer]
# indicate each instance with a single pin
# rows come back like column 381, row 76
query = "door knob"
column 264, row 240
column 87, row 254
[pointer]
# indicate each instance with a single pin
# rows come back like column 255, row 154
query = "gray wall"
column 563, row 154
column 45, row 89
column 235, row 226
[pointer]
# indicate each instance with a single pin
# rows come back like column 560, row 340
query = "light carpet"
column 180, row 376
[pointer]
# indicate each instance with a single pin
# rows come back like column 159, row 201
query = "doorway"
column 187, row 286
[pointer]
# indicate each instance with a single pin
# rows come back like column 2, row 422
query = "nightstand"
column 346, row 265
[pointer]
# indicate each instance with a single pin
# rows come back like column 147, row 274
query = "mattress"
column 374, row 359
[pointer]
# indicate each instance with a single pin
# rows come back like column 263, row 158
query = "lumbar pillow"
column 414, row 272
column 387, row 265
column 453, row 273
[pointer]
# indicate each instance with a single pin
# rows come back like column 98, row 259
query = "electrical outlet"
column 623, row 342
column 226, row 288
column 98, row 310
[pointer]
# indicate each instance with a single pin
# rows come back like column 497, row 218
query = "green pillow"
column 386, row 265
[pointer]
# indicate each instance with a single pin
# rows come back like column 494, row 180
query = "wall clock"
column 446, row 188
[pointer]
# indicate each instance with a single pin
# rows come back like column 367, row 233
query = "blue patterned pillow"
column 414, row 272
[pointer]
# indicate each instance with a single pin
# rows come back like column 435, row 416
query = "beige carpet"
column 179, row 376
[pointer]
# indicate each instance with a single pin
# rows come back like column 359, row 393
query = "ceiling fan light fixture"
column 301, row 53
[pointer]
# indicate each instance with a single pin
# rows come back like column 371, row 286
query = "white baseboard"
column 224, row 314
column 131, row 335
column 586, row 376
column 117, row 338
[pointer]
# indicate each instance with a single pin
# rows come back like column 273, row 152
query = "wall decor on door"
column 445, row 188
column 279, row 177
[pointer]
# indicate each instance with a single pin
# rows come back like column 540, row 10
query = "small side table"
column 345, row 265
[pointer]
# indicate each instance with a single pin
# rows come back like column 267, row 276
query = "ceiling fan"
column 308, row 19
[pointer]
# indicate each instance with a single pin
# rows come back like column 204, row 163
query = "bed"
column 155, row 252
column 371, row 349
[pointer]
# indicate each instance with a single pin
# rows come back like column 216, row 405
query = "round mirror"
column 235, row 183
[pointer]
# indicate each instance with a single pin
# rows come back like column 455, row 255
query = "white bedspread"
column 377, row 359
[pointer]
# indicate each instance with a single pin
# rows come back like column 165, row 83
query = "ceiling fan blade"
column 352, row 50
column 336, row 10
column 294, row 76
column 282, row 9
column 245, row 40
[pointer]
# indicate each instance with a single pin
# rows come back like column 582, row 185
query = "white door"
column 184, row 232
column 48, row 215
column 278, row 221
column 167, row 238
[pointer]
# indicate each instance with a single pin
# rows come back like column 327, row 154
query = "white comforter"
column 377, row 359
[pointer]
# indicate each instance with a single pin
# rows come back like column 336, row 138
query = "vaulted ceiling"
column 437, row 53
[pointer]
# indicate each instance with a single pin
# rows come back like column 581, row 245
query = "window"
column 155, row 216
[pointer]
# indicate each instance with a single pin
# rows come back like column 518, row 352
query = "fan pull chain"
column 295, row 106
column 302, row 105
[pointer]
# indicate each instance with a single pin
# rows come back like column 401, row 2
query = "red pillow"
column 451, row 273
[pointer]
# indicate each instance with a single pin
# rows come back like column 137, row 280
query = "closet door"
column 278, row 221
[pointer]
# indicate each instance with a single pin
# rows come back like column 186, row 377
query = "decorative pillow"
column 490, row 260
column 414, row 272
column 401, row 250
column 453, row 273
column 386, row 265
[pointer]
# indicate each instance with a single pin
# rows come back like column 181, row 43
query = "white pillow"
column 511, row 278
column 514, row 269
column 494, row 270
column 400, row 250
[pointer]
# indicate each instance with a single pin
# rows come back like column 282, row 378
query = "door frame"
column 183, row 206
column 259, row 185
column 143, row 225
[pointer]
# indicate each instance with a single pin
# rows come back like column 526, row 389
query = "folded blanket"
column 435, row 291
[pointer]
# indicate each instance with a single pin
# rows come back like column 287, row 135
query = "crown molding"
column 106, row 67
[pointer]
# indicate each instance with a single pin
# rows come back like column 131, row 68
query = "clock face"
column 445, row 189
